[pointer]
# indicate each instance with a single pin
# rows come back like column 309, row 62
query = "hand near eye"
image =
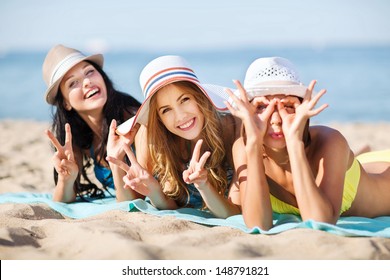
column 63, row 159
column 195, row 173
column 255, row 122
column 294, row 124
column 136, row 178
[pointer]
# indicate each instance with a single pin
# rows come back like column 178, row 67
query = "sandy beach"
column 38, row 232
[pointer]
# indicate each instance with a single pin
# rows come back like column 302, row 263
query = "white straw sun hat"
column 59, row 60
column 271, row 76
column 165, row 70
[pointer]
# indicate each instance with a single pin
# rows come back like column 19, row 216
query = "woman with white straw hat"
column 184, row 144
column 87, row 107
column 291, row 167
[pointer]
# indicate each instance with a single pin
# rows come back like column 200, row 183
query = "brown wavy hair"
column 165, row 148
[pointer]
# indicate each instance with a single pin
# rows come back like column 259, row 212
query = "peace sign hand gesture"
column 136, row 178
column 195, row 173
column 63, row 159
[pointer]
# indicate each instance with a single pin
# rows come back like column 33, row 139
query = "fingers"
column 196, row 152
column 130, row 155
column 136, row 185
column 133, row 131
column 118, row 162
column 69, row 155
column 319, row 110
column 186, row 174
column 318, row 96
column 68, row 140
column 203, row 159
column 243, row 95
column 111, row 132
column 312, row 85
column 196, row 171
column 236, row 100
column 54, row 140
column 310, row 89
column 68, row 134
column 314, row 102
column 198, row 175
column 65, row 166
column 269, row 110
column 128, row 138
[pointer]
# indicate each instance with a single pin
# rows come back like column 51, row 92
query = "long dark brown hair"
column 119, row 106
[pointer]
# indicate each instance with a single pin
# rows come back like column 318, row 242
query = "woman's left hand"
column 294, row 124
column 115, row 142
column 195, row 173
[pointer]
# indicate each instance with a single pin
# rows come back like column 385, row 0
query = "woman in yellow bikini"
column 291, row 167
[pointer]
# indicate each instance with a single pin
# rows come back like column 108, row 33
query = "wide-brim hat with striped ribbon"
column 165, row 70
column 59, row 60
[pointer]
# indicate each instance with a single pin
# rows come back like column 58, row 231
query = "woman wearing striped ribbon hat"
column 184, row 143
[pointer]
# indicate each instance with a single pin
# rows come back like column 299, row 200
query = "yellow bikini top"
column 351, row 182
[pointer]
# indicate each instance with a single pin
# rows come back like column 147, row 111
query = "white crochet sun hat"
column 271, row 76
column 165, row 70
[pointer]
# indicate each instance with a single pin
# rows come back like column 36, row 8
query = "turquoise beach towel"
column 346, row 226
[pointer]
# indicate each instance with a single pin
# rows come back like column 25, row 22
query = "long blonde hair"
column 167, row 155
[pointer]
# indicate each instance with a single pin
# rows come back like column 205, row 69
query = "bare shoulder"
column 328, row 140
column 326, row 133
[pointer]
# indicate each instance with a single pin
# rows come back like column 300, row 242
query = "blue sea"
column 357, row 79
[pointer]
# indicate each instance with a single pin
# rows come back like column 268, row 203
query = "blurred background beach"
column 345, row 45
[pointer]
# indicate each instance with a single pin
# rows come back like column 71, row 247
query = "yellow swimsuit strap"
column 351, row 183
column 374, row 156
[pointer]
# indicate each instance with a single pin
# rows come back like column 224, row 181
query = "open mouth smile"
column 187, row 125
column 91, row 93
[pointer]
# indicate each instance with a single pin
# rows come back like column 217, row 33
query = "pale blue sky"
column 184, row 25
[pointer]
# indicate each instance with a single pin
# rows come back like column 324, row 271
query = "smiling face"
column 179, row 111
column 83, row 89
column 274, row 136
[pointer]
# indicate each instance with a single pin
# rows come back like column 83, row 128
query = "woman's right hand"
column 254, row 120
column 196, row 173
column 63, row 159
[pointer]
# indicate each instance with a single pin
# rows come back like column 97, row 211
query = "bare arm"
column 115, row 145
column 318, row 198
column 197, row 175
column 138, row 178
column 254, row 189
column 66, row 167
